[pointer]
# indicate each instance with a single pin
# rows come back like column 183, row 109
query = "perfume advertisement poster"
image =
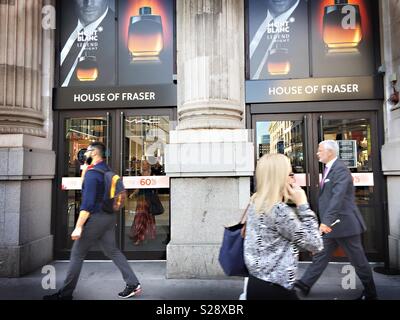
column 342, row 38
column 145, row 42
column 87, row 38
column 278, row 42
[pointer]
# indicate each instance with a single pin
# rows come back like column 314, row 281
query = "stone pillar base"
column 193, row 261
column 26, row 177
column 391, row 168
column 200, row 208
column 20, row 260
column 394, row 252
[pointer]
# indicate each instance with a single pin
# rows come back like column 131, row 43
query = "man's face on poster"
column 90, row 10
column 277, row 7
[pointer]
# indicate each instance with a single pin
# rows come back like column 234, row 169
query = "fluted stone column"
column 27, row 163
column 210, row 64
column 390, row 40
column 210, row 156
column 20, row 67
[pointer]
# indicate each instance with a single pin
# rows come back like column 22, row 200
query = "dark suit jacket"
column 337, row 201
column 105, row 54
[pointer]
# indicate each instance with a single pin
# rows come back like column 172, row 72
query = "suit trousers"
column 258, row 289
column 100, row 228
column 355, row 252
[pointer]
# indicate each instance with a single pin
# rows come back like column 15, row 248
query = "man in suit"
column 337, row 203
column 90, row 37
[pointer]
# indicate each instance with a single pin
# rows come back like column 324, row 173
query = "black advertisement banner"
column 145, row 42
column 342, row 38
column 107, row 43
column 313, row 89
column 278, row 39
column 116, row 97
column 87, row 43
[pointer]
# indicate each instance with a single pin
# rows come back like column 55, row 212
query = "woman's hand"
column 296, row 194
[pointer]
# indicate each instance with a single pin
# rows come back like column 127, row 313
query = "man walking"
column 341, row 223
column 95, row 225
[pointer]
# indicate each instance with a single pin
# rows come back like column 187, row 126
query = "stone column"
column 27, row 164
column 390, row 37
column 210, row 157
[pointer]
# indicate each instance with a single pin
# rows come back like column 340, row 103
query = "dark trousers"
column 258, row 289
column 355, row 252
column 100, row 228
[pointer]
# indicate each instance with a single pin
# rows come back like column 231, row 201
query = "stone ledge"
column 16, row 261
column 22, row 161
column 232, row 159
column 23, row 140
column 390, row 156
column 215, row 135
column 193, row 261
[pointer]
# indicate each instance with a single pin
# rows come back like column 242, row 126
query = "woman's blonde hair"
column 271, row 178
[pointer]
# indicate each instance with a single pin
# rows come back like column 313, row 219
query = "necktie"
column 323, row 176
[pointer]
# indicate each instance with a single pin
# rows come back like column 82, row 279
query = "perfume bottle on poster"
column 145, row 35
column 342, row 25
column 278, row 61
column 87, row 69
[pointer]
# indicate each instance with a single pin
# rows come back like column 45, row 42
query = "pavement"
column 101, row 280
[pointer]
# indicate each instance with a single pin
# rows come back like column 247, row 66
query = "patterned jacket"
column 272, row 241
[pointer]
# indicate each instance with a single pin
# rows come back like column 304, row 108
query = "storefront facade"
column 199, row 91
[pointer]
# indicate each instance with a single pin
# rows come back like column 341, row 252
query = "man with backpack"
column 96, row 223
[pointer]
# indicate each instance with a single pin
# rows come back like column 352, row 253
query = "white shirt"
column 261, row 31
column 88, row 31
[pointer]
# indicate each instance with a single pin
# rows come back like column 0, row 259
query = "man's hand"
column 323, row 228
column 76, row 234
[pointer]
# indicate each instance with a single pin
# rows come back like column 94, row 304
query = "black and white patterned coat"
column 272, row 242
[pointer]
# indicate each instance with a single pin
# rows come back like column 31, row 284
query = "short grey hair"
column 331, row 145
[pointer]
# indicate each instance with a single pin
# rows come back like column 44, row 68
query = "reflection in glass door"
column 356, row 146
column 297, row 136
column 79, row 132
column 144, row 140
column 286, row 137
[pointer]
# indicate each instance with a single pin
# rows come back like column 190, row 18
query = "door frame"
column 332, row 110
column 120, row 115
column 59, row 219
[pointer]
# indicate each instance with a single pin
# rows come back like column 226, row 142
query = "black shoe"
column 305, row 289
column 56, row 296
column 365, row 297
column 130, row 291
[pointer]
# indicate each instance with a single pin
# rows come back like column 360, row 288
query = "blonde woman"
column 275, row 231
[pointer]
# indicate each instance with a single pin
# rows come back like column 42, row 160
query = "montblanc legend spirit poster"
column 342, row 38
column 278, row 39
column 145, row 42
column 87, row 37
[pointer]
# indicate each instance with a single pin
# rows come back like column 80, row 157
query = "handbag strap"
column 244, row 216
column 243, row 220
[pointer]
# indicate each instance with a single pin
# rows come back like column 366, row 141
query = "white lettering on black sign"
column 115, row 96
column 314, row 89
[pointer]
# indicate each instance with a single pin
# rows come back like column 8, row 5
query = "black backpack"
column 114, row 192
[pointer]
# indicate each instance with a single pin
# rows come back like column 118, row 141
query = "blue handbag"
column 231, row 256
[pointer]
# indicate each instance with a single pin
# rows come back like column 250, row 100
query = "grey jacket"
column 272, row 241
column 337, row 201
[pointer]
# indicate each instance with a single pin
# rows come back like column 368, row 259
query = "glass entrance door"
column 77, row 131
column 135, row 142
column 298, row 135
column 144, row 227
